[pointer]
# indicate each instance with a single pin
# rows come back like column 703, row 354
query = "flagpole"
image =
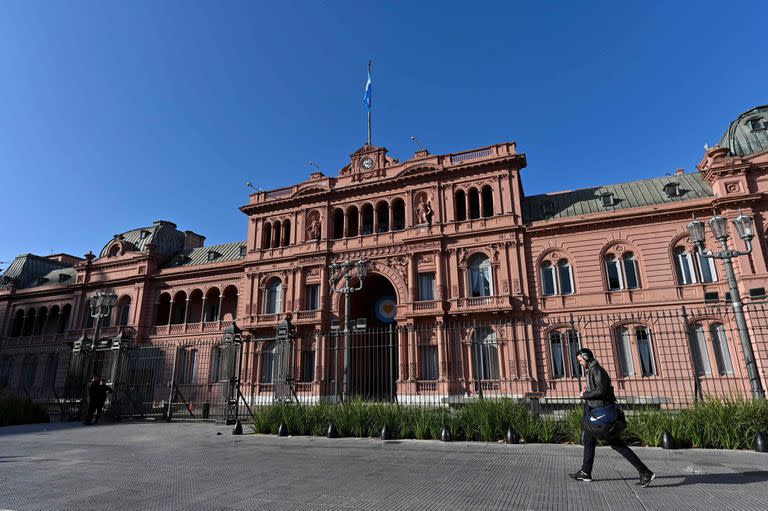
column 369, row 110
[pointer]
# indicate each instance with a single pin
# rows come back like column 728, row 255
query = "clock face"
column 367, row 163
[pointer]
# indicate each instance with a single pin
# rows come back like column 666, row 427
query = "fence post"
column 172, row 394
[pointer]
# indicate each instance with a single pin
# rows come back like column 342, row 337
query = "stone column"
column 412, row 280
column 439, row 285
column 202, row 309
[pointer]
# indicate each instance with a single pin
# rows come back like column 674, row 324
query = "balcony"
column 186, row 328
column 308, row 315
column 480, row 303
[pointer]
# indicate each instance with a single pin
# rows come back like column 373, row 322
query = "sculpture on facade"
column 424, row 212
column 313, row 230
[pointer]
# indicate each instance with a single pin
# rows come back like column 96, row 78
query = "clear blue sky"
column 117, row 114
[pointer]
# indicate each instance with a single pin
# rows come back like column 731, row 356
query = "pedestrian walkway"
column 158, row 466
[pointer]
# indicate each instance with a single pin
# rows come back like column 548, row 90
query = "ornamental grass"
column 729, row 424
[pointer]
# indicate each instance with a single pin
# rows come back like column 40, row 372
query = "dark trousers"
column 617, row 444
column 94, row 408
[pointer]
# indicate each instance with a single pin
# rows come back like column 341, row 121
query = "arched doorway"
column 373, row 350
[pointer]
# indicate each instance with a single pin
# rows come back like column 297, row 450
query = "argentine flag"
column 367, row 95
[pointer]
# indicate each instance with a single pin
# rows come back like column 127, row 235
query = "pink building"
column 457, row 256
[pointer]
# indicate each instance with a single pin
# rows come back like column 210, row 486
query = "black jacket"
column 599, row 389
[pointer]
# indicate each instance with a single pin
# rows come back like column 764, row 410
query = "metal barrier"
column 661, row 359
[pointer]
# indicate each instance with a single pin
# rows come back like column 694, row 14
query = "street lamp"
column 745, row 227
column 347, row 270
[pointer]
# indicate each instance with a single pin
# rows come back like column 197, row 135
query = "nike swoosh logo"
column 596, row 418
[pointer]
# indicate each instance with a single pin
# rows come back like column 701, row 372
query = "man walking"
column 93, row 397
column 101, row 399
column 600, row 421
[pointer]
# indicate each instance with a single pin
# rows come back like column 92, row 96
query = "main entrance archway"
column 373, row 350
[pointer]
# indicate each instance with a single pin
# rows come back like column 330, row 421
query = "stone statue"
column 313, row 230
column 424, row 211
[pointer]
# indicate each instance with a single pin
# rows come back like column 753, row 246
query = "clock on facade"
column 367, row 163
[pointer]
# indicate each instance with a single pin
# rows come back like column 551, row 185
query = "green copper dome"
column 749, row 133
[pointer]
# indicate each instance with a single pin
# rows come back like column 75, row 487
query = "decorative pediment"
column 367, row 162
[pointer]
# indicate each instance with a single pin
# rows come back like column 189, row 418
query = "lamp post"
column 745, row 227
column 347, row 270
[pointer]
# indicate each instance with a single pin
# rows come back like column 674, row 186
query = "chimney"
column 193, row 240
column 679, row 172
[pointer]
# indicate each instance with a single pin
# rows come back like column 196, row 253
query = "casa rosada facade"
column 449, row 238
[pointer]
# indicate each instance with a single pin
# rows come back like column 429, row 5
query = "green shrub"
column 730, row 424
column 19, row 410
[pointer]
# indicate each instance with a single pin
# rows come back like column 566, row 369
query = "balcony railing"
column 304, row 315
column 426, row 305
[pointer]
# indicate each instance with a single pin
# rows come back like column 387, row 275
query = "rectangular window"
column 267, row 363
column 643, row 337
column 312, row 297
column 630, row 270
column 125, row 309
column 574, row 345
column 566, row 279
column 556, row 345
column 548, row 280
column 428, row 361
column 699, row 349
column 216, row 359
column 685, row 268
column 624, row 349
column 307, row 365
column 722, row 353
column 426, row 286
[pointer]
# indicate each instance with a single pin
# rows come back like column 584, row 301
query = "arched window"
column 556, row 279
column 461, row 205
column 474, row 203
column 286, row 233
column 179, row 308
column 631, row 340
column 113, row 250
column 162, row 310
column 338, row 223
column 382, row 217
column 622, row 271
column 487, row 201
column 276, row 234
column 564, row 347
column 66, row 311
column 29, row 322
column 124, row 311
column 367, row 219
column 211, row 309
column 690, row 269
column 352, row 221
column 273, row 297
column 486, row 354
column 40, row 320
column 398, row 215
column 18, row 323
column 267, row 236
column 714, row 341
column 480, row 276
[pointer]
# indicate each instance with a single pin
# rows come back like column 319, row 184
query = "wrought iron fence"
column 660, row 359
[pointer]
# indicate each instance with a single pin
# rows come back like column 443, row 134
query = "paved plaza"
column 157, row 466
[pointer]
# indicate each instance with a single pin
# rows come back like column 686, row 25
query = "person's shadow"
column 755, row 476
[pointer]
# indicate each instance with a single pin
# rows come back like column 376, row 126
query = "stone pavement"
column 157, row 466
